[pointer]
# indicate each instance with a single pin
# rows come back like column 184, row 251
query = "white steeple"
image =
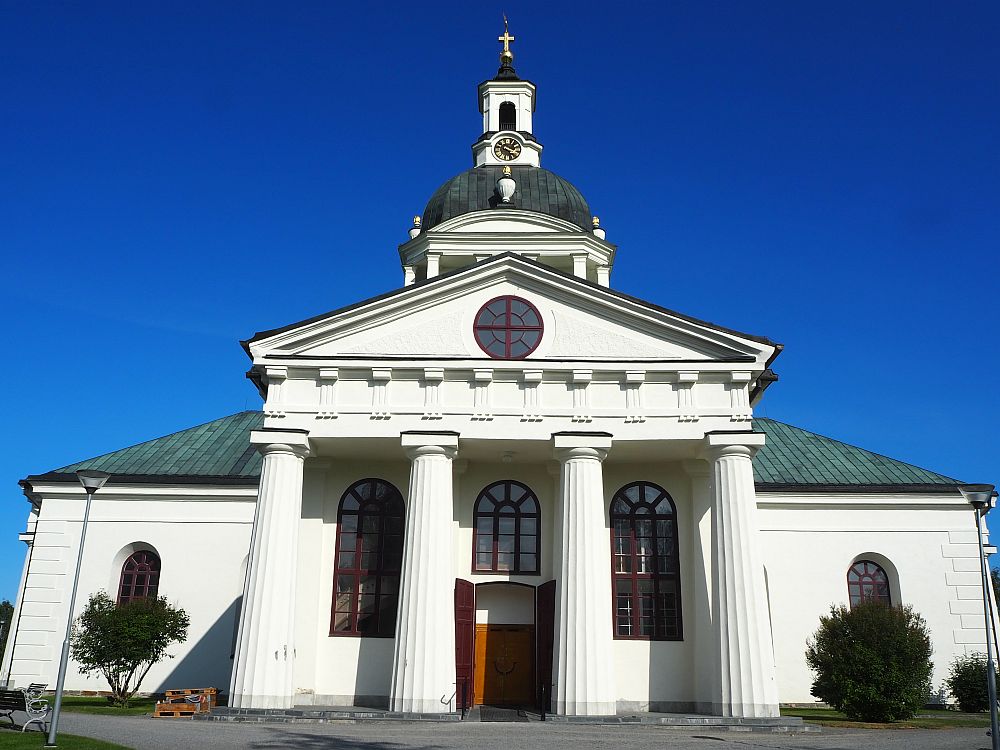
column 507, row 104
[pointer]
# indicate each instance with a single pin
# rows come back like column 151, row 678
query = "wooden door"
column 465, row 620
column 545, row 615
column 505, row 665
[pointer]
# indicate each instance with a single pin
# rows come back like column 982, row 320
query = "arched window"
column 506, row 531
column 508, row 116
column 867, row 581
column 369, row 555
column 645, row 568
column 140, row 576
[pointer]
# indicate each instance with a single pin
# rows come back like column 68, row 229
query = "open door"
column 545, row 620
column 465, row 638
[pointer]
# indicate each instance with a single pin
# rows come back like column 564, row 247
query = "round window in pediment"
column 508, row 328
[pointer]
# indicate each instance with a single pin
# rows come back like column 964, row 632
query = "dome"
column 537, row 190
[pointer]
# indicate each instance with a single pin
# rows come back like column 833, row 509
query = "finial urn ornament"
column 506, row 186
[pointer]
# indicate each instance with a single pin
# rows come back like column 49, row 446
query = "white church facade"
column 504, row 482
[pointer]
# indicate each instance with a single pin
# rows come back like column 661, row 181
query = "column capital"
column 273, row 440
column 417, row 444
column 719, row 444
column 570, row 445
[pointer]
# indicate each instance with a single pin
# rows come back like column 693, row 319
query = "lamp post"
column 92, row 481
column 980, row 497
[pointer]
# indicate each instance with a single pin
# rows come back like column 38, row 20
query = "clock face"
column 506, row 149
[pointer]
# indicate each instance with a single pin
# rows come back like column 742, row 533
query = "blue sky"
column 175, row 177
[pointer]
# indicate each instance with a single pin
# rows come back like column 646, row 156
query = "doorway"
column 504, row 645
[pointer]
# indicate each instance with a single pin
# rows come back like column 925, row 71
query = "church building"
column 505, row 482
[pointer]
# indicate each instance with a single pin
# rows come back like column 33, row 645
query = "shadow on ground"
column 283, row 738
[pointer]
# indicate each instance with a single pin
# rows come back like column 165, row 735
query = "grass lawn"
column 926, row 719
column 86, row 704
column 35, row 740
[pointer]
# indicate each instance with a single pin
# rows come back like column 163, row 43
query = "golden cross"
column 506, row 38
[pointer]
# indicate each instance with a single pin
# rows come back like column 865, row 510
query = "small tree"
column 967, row 682
column 872, row 662
column 123, row 641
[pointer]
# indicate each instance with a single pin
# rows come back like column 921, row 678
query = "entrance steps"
column 360, row 715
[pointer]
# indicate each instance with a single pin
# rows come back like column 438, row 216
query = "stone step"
column 307, row 715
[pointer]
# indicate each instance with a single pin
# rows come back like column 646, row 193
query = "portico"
column 573, row 476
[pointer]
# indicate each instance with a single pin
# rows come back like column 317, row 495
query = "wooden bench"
column 21, row 700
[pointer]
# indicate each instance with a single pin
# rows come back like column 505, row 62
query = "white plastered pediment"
column 435, row 319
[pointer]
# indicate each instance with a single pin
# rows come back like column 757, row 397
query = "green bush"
column 123, row 641
column 967, row 683
column 872, row 662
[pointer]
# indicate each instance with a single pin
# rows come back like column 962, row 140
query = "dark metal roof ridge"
column 201, row 479
column 886, row 489
column 425, row 358
column 503, row 256
column 514, row 80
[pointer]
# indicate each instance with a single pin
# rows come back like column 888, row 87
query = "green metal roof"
column 537, row 190
column 796, row 457
column 220, row 452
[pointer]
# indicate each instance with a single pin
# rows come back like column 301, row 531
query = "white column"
column 739, row 598
column 584, row 667
column 423, row 663
column 263, row 672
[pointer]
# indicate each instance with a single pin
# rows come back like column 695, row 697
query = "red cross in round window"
column 508, row 328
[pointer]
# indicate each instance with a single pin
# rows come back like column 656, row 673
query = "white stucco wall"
column 809, row 543
column 202, row 540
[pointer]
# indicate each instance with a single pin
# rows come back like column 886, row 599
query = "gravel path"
column 144, row 733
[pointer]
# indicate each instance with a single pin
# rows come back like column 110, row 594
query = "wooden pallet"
column 179, row 703
column 175, row 710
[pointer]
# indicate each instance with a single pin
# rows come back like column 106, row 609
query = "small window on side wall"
column 868, row 582
column 140, row 576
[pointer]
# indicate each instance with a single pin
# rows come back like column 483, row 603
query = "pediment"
column 582, row 321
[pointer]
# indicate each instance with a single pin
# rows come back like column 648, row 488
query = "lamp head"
column 979, row 496
column 92, row 480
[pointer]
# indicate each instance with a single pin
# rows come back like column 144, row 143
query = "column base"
column 260, row 701
column 420, row 706
column 585, row 708
column 740, row 710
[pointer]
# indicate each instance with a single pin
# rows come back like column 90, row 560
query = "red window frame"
column 491, row 327
column 370, row 525
column 506, row 514
column 140, row 576
column 868, row 581
column 645, row 564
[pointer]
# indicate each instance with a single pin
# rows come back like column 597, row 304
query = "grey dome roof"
column 537, row 190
